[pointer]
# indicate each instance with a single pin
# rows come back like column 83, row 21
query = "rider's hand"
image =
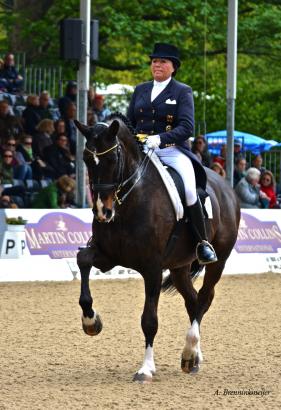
column 153, row 141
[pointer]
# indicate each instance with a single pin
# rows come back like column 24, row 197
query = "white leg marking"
column 148, row 366
column 89, row 321
column 192, row 343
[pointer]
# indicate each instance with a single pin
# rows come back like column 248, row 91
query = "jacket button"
column 153, row 121
column 141, row 109
column 141, row 120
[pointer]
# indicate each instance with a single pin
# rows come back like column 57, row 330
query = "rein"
column 118, row 186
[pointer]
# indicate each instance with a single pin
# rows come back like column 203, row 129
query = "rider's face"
column 161, row 69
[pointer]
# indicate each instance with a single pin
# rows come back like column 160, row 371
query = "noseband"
column 120, row 184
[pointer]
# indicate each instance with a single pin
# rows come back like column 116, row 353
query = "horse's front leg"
column 91, row 321
column 149, row 323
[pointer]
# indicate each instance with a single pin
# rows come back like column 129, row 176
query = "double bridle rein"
column 120, row 184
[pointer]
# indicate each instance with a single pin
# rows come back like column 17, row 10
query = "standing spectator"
column 237, row 150
column 71, row 130
column 200, row 148
column 268, row 186
column 239, row 170
column 221, row 158
column 30, row 115
column 58, row 157
column 44, row 106
column 11, row 75
column 42, row 138
column 70, row 96
column 100, row 110
column 248, row 190
column 9, row 124
column 257, row 163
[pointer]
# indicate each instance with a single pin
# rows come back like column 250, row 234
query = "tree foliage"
column 128, row 31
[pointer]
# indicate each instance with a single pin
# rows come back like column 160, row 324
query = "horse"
column 133, row 223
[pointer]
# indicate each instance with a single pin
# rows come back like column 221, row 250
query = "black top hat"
column 164, row 50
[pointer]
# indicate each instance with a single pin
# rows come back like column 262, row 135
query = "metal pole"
column 231, row 85
column 83, row 87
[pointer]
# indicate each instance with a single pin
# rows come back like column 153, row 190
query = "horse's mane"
column 132, row 132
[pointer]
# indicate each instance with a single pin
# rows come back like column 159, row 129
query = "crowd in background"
column 38, row 147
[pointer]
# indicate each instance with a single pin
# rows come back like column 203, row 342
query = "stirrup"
column 209, row 257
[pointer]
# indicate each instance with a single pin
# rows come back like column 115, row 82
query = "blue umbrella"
column 248, row 142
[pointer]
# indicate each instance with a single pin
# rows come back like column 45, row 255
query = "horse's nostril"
column 108, row 212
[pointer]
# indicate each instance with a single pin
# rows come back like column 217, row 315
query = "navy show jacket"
column 170, row 115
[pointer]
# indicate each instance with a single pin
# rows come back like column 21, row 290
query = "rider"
column 163, row 109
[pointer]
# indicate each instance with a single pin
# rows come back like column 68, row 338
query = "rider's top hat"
column 164, row 50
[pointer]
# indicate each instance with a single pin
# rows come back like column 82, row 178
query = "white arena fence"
column 46, row 247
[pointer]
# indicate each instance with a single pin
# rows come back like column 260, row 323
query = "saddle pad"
column 170, row 186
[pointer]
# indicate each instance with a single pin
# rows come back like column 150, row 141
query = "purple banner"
column 256, row 236
column 58, row 235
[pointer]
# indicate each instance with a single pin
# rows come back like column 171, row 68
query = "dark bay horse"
column 133, row 221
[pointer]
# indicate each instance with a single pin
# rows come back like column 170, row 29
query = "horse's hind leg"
column 191, row 355
column 149, row 323
column 91, row 321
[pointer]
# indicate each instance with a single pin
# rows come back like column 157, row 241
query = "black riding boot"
column 204, row 251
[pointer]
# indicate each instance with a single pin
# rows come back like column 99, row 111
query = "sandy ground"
column 47, row 362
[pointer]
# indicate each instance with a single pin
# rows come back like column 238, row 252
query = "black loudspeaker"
column 71, row 39
column 94, row 40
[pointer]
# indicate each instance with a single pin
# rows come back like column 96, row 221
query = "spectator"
column 248, row 190
column 43, row 139
column 14, row 81
column 237, row 152
column 221, row 158
column 100, row 109
column 7, row 168
column 56, row 194
column 30, row 115
column 58, row 157
column 200, row 148
column 216, row 166
column 6, row 201
column 22, row 169
column 60, row 128
column 268, row 186
column 239, row 170
column 257, row 163
column 70, row 96
column 91, row 97
column 25, row 149
column 9, row 124
column 71, row 130
column 44, row 106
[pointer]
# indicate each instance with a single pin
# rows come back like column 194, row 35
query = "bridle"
column 120, row 183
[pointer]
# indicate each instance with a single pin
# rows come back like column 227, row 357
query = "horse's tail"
column 168, row 284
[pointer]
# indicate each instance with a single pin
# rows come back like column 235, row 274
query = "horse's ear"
column 113, row 129
column 83, row 129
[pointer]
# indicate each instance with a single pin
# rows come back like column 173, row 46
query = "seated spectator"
column 22, row 169
column 25, row 149
column 30, row 115
column 44, row 106
column 257, row 163
column 71, row 130
column 6, row 168
column 200, row 148
column 42, row 138
column 14, row 81
column 268, row 186
column 60, row 128
column 100, row 110
column 10, row 126
column 248, row 190
column 216, row 166
column 69, row 96
column 56, row 194
column 239, row 170
column 7, row 202
column 58, row 157
column 221, row 158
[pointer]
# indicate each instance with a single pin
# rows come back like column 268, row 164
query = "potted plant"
column 16, row 224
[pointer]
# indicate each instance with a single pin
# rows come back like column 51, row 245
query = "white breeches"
column 176, row 159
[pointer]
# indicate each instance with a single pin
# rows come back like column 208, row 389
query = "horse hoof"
column 142, row 378
column 190, row 366
column 93, row 329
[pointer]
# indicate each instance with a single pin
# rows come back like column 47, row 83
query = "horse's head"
column 102, row 156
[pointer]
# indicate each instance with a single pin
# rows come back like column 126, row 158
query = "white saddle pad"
column 170, row 186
